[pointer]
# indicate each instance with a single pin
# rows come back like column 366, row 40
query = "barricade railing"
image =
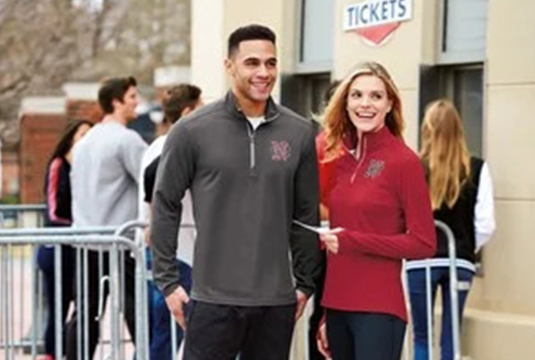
column 108, row 239
column 454, row 296
column 18, row 216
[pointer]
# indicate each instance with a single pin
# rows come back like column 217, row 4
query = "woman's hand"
column 330, row 239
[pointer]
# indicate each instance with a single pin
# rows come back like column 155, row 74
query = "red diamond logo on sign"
column 376, row 20
column 377, row 34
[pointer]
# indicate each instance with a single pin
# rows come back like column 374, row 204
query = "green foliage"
column 12, row 199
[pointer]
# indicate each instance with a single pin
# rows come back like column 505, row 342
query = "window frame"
column 302, row 67
column 453, row 58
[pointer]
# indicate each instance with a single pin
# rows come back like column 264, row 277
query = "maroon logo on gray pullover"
column 280, row 150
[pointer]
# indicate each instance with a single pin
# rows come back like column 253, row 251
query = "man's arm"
column 132, row 149
column 174, row 175
column 306, row 256
column 149, row 180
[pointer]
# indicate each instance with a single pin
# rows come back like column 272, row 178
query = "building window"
column 304, row 93
column 303, row 90
column 464, row 29
column 468, row 98
column 316, row 36
column 463, row 85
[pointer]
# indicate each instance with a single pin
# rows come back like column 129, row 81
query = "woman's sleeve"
column 54, row 192
column 326, row 171
column 419, row 239
column 484, row 212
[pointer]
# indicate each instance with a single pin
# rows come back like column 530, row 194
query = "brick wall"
column 83, row 109
column 39, row 134
column 10, row 172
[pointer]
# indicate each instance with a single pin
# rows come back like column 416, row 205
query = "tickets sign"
column 375, row 20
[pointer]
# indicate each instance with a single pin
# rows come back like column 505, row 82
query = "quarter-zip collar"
column 231, row 103
column 370, row 142
column 272, row 113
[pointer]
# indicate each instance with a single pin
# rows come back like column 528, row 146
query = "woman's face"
column 82, row 129
column 368, row 103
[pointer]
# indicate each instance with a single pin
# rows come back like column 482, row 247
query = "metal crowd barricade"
column 454, row 296
column 109, row 239
column 18, row 216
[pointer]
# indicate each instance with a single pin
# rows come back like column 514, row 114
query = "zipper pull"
column 363, row 153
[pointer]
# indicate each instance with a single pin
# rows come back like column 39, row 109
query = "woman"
column 58, row 213
column 461, row 196
column 380, row 212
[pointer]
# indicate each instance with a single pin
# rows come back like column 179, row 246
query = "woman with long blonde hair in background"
column 380, row 214
column 460, row 189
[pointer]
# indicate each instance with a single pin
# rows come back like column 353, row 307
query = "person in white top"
column 461, row 194
column 180, row 101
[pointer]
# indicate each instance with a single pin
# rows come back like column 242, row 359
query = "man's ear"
column 186, row 111
column 115, row 103
column 229, row 67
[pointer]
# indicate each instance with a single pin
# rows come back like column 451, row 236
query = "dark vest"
column 460, row 218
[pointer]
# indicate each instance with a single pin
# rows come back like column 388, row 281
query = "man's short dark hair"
column 179, row 98
column 114, row 89
column 249, row 32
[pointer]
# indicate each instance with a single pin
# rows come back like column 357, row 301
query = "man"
column 105, row 169
column 180, row 101
column 251, row 167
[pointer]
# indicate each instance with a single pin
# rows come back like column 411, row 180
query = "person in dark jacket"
column 58, row 213
column 461, row 194
column 380, row 214
column 251, row 167
column 317, row 310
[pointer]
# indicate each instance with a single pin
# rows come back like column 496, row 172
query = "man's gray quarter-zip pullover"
column 247, row 186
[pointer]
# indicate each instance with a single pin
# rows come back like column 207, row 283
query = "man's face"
column 253, row 68
column 127, row 108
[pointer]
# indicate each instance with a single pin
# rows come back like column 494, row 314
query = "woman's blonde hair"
column 336, row 120
column 444, row 152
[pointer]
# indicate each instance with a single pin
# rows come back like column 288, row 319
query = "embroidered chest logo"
column 280, row 150
column 375, row 167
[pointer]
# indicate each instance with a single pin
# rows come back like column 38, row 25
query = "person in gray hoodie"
column 251, row 167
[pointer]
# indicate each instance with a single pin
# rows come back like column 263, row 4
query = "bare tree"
column 48, row 42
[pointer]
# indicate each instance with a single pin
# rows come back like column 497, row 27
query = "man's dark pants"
column 221, row 332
